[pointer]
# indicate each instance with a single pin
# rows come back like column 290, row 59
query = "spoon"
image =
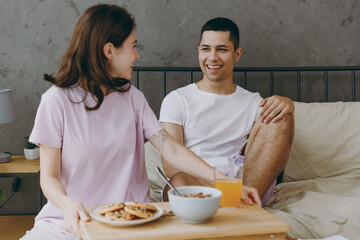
column 162, row 175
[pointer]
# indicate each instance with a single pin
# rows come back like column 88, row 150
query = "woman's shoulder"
column 58, row 94
column 135, row 94
column 53, row 92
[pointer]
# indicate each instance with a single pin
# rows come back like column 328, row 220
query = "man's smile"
column 213, row 68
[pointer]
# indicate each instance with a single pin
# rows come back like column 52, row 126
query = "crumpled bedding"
column 320, row 194
column 320, row 207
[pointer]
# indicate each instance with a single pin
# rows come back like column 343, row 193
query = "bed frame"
column 246, row 71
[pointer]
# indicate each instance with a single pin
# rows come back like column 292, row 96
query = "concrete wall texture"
column 34, row 34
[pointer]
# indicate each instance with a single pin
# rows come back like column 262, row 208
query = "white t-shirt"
column 215, row 126
column 102, row 150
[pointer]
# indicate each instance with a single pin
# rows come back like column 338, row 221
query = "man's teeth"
column 214, row 67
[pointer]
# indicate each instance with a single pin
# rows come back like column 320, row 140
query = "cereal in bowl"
column 198, row 195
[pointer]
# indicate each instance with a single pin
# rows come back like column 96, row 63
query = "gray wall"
column 35, row 33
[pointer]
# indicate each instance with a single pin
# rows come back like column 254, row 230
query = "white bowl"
column 194, row 210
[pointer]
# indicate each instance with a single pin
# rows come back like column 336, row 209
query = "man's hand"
column 250, row 196
column 275, row 108
column 73, row 213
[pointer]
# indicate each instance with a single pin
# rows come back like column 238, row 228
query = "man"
column 216, row 119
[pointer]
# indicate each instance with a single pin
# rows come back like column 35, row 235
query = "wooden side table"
column 21, row 167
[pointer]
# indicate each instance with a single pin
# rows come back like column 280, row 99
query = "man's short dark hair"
column 223, row 24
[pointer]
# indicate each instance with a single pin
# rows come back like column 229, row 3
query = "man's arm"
column 274, row 108
column 177, row 132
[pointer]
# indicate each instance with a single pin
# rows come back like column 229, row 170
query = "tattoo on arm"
column 160, row 137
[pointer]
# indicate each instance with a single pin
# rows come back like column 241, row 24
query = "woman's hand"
column 73, row 212
column 274, row 108
column 250, row 196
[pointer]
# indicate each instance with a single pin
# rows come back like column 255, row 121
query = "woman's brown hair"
column 84, row 62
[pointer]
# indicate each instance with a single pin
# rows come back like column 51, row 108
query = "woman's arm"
column 188, row 162
column 179, row 156
column 176, row 132
column 54, row 191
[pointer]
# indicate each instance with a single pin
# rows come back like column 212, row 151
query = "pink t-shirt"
column 102, row 150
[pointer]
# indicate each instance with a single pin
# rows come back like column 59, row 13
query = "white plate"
column 94, row 213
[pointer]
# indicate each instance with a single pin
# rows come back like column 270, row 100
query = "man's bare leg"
column 267, row 152
column 182, row 179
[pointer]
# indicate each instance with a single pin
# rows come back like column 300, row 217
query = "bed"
column 319, row 194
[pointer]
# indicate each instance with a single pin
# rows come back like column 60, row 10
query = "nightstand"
column 28, row 171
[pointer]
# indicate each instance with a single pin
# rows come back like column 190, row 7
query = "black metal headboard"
column 245, row 71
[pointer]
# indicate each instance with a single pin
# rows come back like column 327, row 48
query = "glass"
column 231, row 188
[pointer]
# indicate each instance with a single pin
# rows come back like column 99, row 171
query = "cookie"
column 111, row 208
column 119, row 215
column 139, row 212
column 142, row 205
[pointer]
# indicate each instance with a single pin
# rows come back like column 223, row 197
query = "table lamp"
column 7, row 115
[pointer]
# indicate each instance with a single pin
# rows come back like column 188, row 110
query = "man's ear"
column 238, row 53
column 108, row 50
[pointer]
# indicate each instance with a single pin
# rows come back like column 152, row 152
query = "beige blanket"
column 320, row 207
column 320, row 195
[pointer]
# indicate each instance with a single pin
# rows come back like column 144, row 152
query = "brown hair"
column 84, row 62
column 223, row 24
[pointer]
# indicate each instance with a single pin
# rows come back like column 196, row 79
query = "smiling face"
column 217, row 56
column 121, row 59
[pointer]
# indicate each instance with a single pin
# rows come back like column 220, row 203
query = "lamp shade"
column 7, row 110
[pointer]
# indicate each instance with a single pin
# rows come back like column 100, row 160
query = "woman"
column 91, row 127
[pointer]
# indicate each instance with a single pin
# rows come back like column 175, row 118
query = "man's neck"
column 221, row 88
